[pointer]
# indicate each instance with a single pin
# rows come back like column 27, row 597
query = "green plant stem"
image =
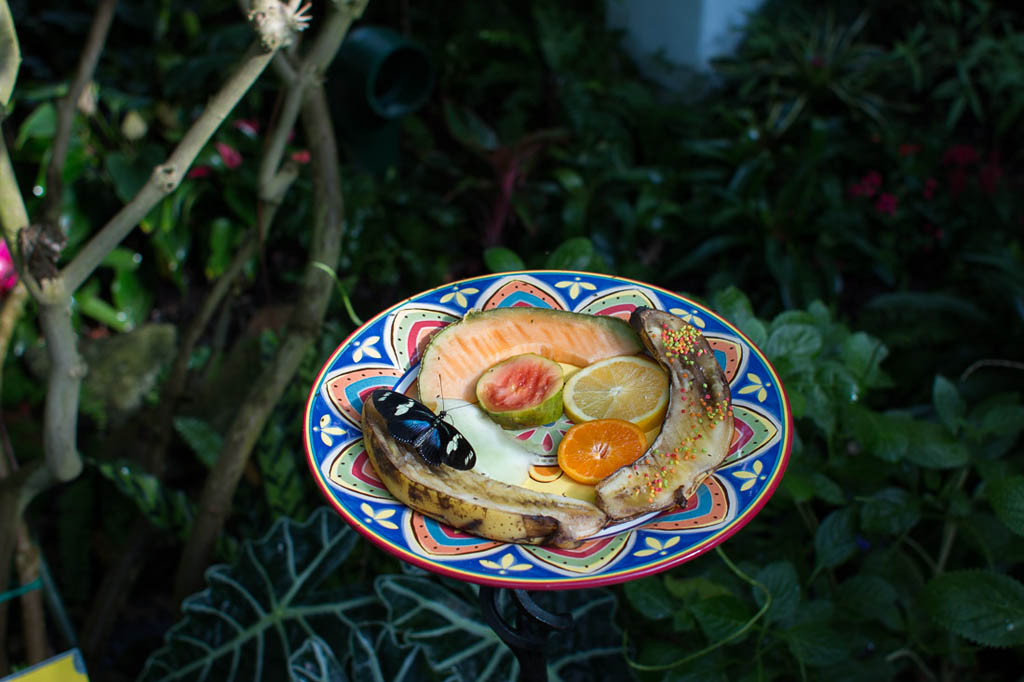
column 97, row 38
column 908, row 653
column 949, row 529
column 303, row 328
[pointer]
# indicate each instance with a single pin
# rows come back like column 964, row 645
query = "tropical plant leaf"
column 378, row 657
column 576, row 253
column 721, row 616
column 283, row 479
column 948, row 403
column 315, row 662
column 817, row 643
column 1007, row 498
column 502, row 259
column 650, row 597
column 259, row 612
column 891, row 511
column 871, row 597
column 783, row 583
column 455, row 639
column 835, row 540
column 204, row 440
column 164, row 507
column 984, row 607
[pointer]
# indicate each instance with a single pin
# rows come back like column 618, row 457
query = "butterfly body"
column 412, row 423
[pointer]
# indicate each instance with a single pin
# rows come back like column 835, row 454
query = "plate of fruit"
column 547, row 430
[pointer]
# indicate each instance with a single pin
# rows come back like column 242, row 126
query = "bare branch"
column 94, row 43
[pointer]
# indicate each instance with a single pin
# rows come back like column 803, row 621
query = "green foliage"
column 863, row 532
column 280, row 613
column 844, row 189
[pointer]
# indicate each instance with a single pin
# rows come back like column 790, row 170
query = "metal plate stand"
column 528, row 637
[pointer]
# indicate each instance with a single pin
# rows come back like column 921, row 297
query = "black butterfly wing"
column 412, row 423
column 446, row 444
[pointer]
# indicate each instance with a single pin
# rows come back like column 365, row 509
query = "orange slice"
column 592, row 450
column 630, row 387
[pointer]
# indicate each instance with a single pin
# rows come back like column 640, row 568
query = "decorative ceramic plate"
column 385, row 352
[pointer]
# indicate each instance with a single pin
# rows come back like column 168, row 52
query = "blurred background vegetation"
column 846, row 188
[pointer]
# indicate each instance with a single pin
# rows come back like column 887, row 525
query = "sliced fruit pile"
column 516, row 363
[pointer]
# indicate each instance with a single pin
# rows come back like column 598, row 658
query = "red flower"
column 198, row 172
column 8, row 275
column 928, row 191
column 867, row 185
column 886, row 203
column 817, row 61
column 301, row 156
column 231, row 158
column 909, row 149
column 960, row 155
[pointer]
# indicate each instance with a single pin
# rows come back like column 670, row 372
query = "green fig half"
column 522, row 391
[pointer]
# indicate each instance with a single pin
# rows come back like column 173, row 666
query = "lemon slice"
column 629, row 387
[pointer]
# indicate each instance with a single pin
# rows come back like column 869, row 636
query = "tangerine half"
column 592, row 450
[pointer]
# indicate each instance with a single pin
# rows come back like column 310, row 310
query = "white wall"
column 688, row 33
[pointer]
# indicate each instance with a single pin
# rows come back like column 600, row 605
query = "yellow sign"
column 65, row 667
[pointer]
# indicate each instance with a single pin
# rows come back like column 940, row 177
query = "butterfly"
column 412, row 423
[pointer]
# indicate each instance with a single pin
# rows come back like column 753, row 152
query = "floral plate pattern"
column 385, row 351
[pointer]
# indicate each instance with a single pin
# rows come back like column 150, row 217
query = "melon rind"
column 459, row 354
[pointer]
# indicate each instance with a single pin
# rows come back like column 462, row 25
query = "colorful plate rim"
column 656, row 556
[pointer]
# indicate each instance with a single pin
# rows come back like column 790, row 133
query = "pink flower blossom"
column 867, row 185
column 960, row 155
column 198, row 172
column 886, row 203
column 301, row 156
column 231, row 158
column 248, row 127
column 8, row 275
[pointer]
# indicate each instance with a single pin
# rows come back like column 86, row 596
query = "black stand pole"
column 529, row 636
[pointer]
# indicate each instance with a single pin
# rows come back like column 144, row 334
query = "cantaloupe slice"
column 457, row 355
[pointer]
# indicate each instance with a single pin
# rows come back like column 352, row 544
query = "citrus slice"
column 630, row 387
column 592, row 450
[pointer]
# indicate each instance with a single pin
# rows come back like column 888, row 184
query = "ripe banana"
column 698, row 427
column 472, row 502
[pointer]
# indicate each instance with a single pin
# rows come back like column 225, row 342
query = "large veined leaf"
column 315, row 662
column 457, row 642
column 378, row 657
column 254, row 619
